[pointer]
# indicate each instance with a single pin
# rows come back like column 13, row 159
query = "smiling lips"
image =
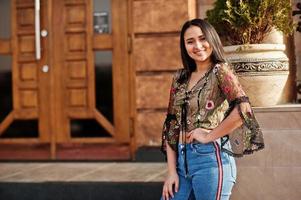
column 199, row 53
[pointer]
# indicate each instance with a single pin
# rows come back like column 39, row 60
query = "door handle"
column 45, row 68
column 37, row 29
column 44, row 33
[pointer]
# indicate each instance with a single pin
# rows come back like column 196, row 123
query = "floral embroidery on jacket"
column 209, row 105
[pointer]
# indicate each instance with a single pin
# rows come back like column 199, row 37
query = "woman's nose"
column 198, row 45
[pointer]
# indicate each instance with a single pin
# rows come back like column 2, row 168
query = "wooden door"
column 59, row 89
column 30, row 105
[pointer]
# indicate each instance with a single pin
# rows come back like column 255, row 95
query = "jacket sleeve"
column 247, row 138
column 170, row 130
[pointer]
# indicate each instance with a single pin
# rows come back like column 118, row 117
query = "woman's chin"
column 201, row 58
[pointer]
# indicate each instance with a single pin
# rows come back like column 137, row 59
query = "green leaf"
column 247, row 21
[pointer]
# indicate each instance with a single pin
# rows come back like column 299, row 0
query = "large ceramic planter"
column 263, row 71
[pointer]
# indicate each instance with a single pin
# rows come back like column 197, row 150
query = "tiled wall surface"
column 275, row 172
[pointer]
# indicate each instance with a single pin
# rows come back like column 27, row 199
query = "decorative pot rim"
column 254, row 48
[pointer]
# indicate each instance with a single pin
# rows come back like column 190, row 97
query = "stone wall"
column 156, row 56
column 203, row 6
column 275, row 172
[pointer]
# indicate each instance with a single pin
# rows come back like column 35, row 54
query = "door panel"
column 77, row 69
column 68, row 97
column 27, row 82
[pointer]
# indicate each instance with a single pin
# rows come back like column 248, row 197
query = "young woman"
column 209, row 120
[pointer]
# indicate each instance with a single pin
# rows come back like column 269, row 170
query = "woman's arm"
column 171, row 160
column 228, row 125
column 169, row 142
column 231, row 89
column 171, row 183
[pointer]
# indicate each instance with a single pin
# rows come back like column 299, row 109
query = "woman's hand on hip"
column 199, row 134
column 170, row 186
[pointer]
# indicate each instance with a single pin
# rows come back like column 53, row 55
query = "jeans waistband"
column 197, row 142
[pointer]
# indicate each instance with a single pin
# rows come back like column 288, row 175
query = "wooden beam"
column 102, row 42
column 23, row 149
column 80, row 113
column 5, row 46
column 120, row 69
column 132, row 82
column 93, row 140
column 26, row 114
column 26, row 141
column 104, row 122
column 6, row 122
column 92, row 152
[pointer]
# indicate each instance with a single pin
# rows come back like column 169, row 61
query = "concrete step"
column 81, row 181
column 80, row 191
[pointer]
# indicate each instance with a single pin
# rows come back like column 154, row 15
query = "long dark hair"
column 217, row 56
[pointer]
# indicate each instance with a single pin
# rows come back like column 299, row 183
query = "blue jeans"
column 211, row 173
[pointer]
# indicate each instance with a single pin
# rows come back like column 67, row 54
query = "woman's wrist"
column 172, row 171
column 209, row 137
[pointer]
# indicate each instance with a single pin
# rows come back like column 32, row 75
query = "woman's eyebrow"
column 189, row 39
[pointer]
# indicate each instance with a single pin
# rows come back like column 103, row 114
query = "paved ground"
column 82, row 172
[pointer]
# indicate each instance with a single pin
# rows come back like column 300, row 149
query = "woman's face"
column 196, row 44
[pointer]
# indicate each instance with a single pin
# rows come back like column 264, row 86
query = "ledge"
column 279, row 108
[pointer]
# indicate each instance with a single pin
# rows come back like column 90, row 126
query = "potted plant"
column 243, row 25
